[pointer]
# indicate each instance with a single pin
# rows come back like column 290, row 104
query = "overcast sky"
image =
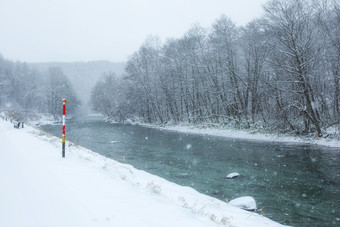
column 86, row 30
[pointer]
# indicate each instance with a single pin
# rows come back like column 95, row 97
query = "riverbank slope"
column 39, row 188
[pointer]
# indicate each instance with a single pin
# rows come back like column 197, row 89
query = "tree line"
column 280, row 72
column 23, row 88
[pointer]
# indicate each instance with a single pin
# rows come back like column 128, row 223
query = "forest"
column 27, row 90
column 278, row 73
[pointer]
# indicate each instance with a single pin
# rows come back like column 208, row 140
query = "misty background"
column 88, row 30
column 83, row 76
column 88, row 38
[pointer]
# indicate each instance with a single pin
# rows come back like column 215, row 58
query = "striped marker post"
column 63, row 138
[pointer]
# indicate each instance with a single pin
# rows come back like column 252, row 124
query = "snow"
column 39, row 188
column 252, row 135
column 245, row 202
column 43, row 119
column 334, row 129
column 233, row 175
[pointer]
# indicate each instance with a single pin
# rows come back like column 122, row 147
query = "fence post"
column 63, row 138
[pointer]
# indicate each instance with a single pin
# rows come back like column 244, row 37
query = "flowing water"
column 295, row 184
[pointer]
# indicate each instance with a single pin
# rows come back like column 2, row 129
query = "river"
column 295, row 184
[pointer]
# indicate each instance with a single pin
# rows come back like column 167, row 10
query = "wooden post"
column 63, row 138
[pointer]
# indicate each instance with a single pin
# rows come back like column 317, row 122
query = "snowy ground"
column 39, row 188
column 332, row 141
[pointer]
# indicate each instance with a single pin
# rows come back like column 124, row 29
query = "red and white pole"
column 63, row 138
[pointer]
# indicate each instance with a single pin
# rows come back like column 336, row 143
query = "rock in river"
column 246, row 203
column 233, row 175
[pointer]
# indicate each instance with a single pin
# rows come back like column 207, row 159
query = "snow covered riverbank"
column 39, row 188
column 332, row 141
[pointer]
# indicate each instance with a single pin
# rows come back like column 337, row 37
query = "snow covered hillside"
column 39, row 188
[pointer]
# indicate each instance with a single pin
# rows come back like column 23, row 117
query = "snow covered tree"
column 58, row 87
column 280, row 72
column 290, row 24
column 106, row 97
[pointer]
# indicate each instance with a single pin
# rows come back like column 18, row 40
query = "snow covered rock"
column 233, row 175
column 246, row 203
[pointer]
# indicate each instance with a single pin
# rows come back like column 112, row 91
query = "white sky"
column 85, row 30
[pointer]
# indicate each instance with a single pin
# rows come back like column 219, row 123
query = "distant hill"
column 83, row 75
